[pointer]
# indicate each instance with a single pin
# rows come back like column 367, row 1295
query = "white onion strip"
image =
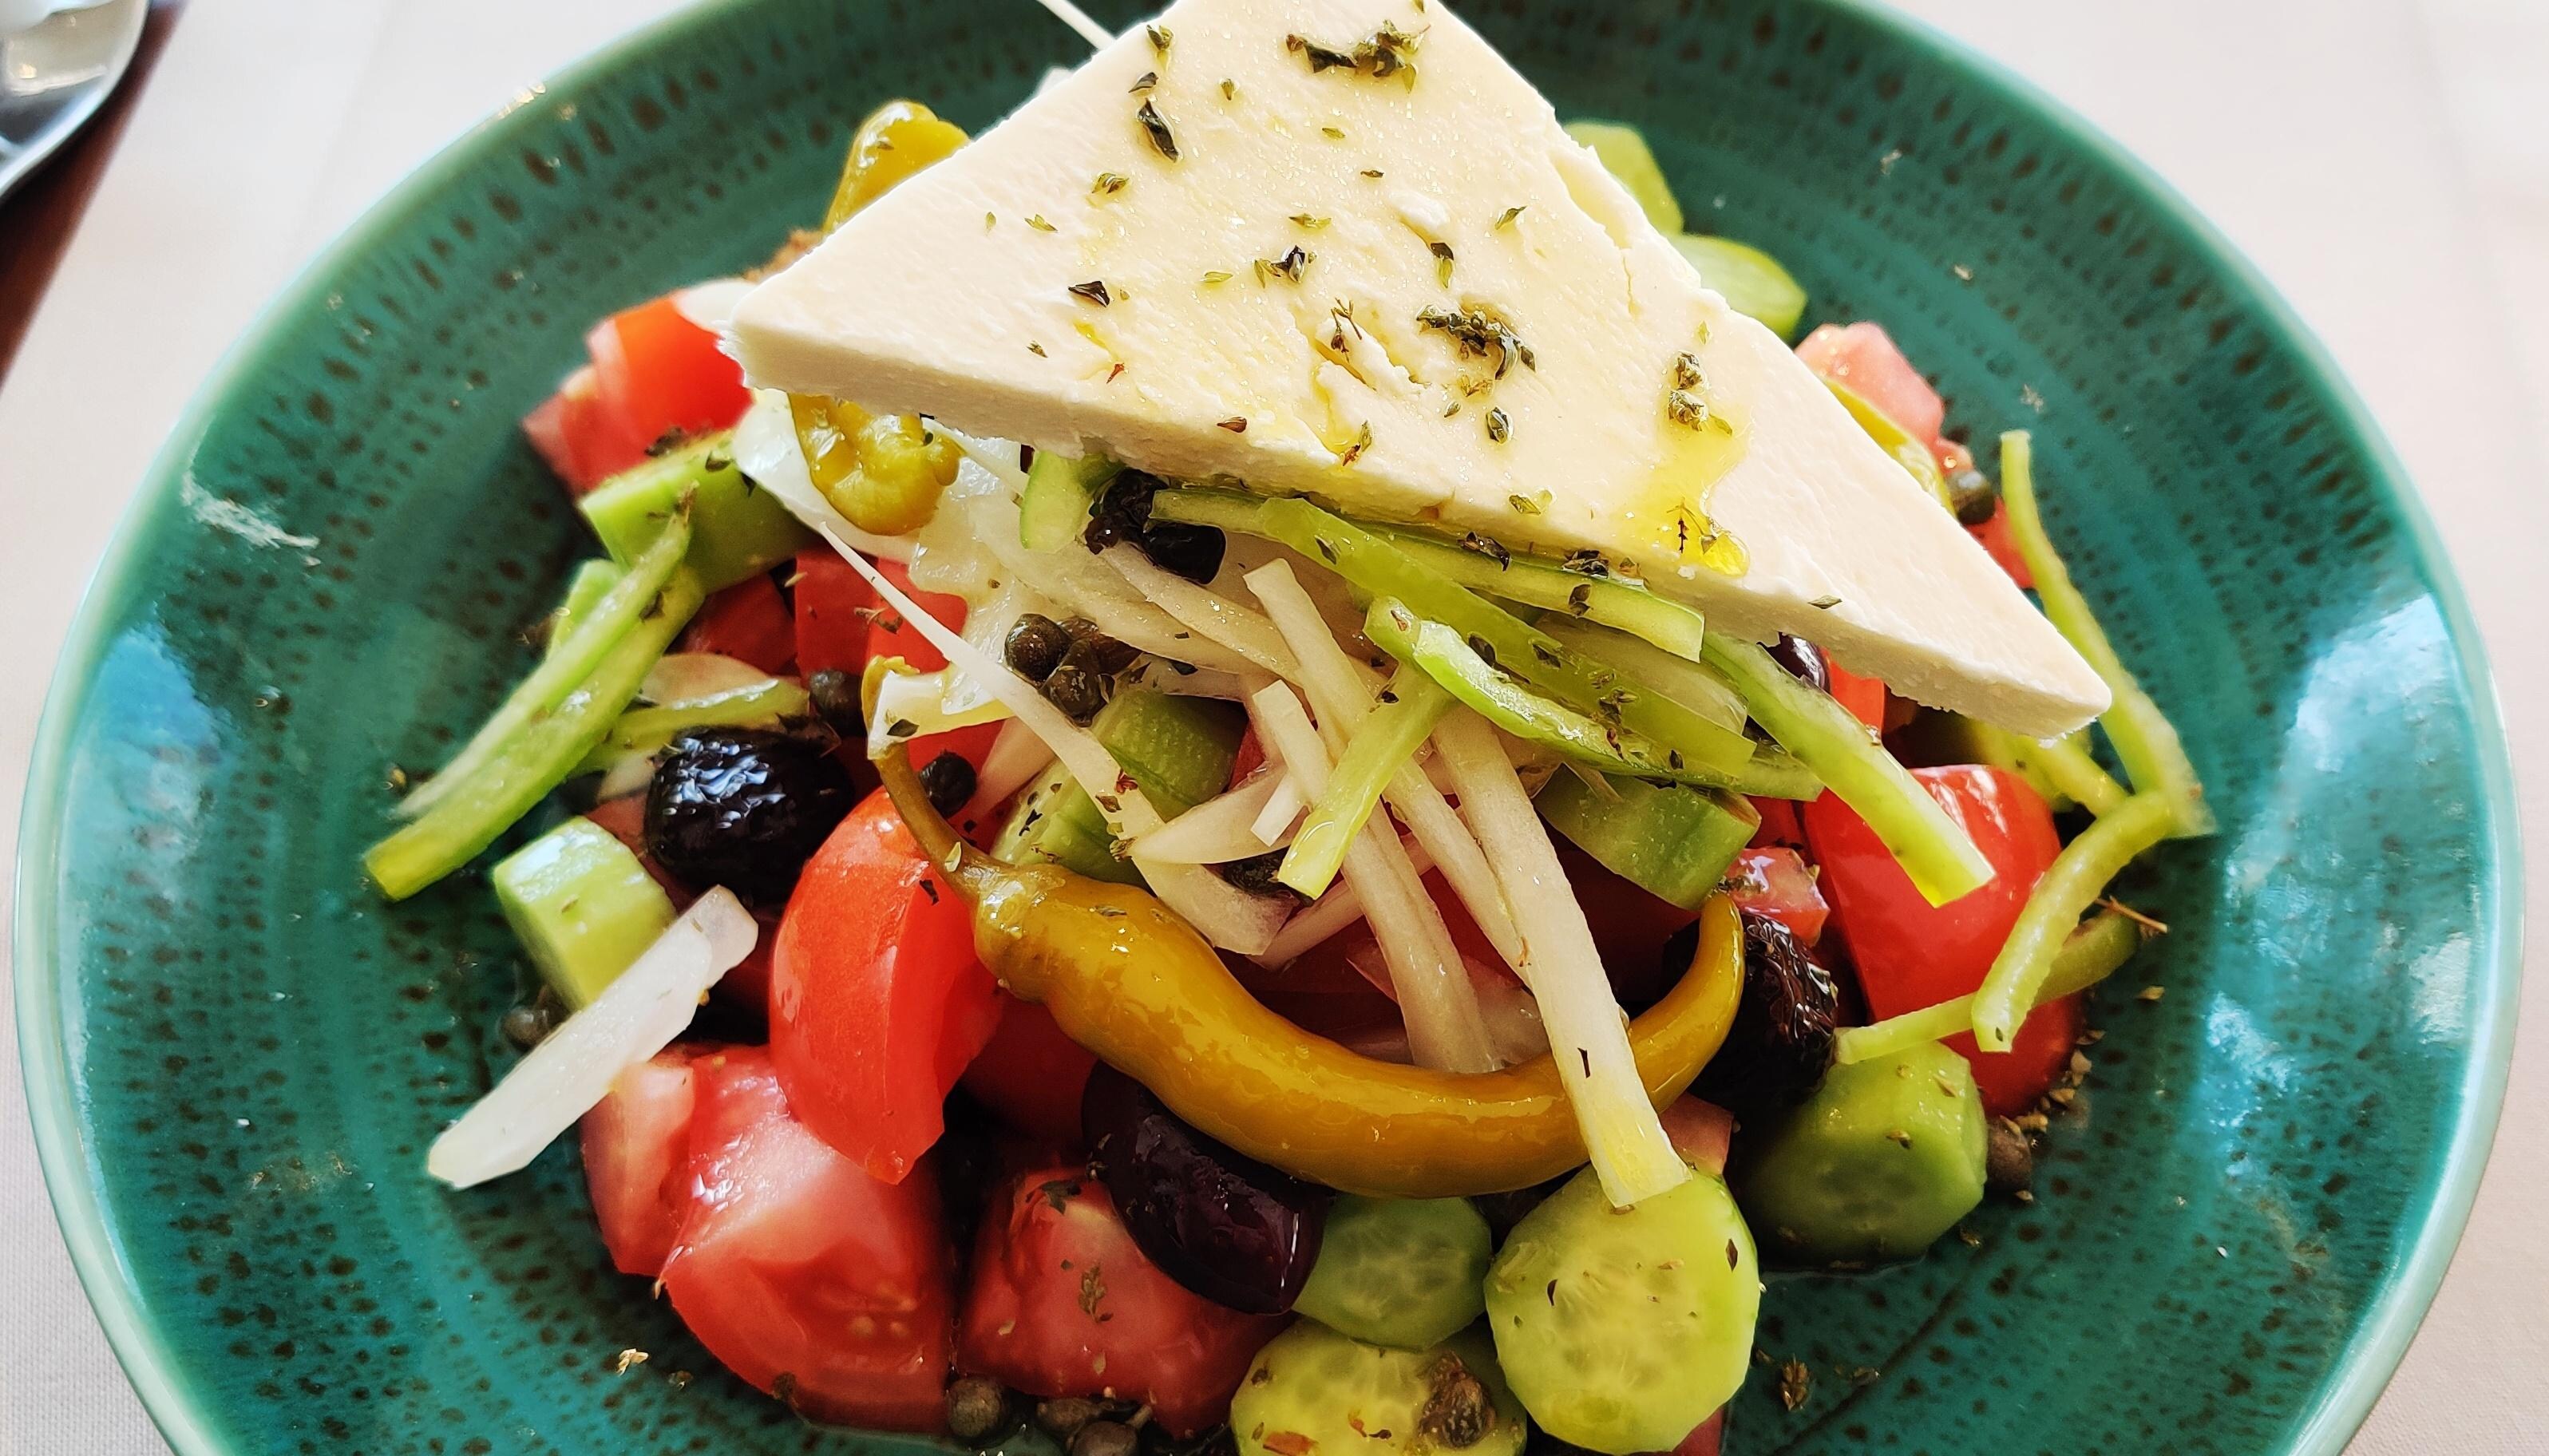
column 1564, row 969
column 1219, row 911
column 1216, row 831
column 1203, row 610
column 1017, row 755
column 562, row 1078
column 1081, row 583
column 1280, row 814
column 1334, row 912
column 1343, row 698
column 1444, row 1027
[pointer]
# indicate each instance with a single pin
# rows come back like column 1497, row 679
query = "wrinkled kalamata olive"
column 1111, row 656
column 1974, row 494
column 1035, row 645
column 1803, row 660
column 1781, row 1041
column 1122, row 516
column 1077, row 686
column 743, row 808
column 949, row 781
column 1223, row 1224
column 834, row 697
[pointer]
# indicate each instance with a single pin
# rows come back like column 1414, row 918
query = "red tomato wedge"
column 1863, row 697
column 1777, row 882
column 1063, row 1304
column 748, row 621
column 1996, row 539
column 636, row 1161
column 1700, row 1130
column 1629, row 924
column 1779, row 824
column 1864, row 356
column 653, row 373
column 1030, row 1076
column 833, row 608
column 804, row 1275
column 877, row 1001
column 1911, row 954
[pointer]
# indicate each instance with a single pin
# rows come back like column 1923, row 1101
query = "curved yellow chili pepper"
column 1130, row 980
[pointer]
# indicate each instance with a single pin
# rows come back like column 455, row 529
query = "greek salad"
column 1266, row 848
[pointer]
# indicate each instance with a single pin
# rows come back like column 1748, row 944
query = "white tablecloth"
column 2385, row 160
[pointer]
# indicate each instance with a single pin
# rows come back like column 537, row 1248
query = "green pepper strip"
column 1379, row 569
column 2065, row 764
column 2095, row 951
column 1125, row 978
column 1808, row 722
column 584, row 592
column 649, row 730
column 540, row 758
column 1891, row 437
column 1437, row 651
column 1386, row 739
column 1533, row 582
column 2070, row 884
column 601, row 628
column 2146, row 741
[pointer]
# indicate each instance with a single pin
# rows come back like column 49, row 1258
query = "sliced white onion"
column 710, row 304
column 687, row 677
column 951, row 552
column 1216, row 831
column 1629, row 1149
column 994, row 454
column 629, row 773
column 1342, row 688
column 1334, row 911
column 561, row 1079
column 1017, row 755
column 1222, row 913
column 1205, row 612
column 766, row 451
column 1433, row 987
column 987, row 626
column 1160, row 677
column 1280, row 814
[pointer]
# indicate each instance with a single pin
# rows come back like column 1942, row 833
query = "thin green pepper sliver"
column 584, row 592
column 1912, row 454
column 1685, row 740
column 1437, row 651
column 1386, row 740
column 2146, row 741
column 1830, row 741
column 2095, row 951
column 2070, row 884
column 649, row 729
column 2066, row 765
column 602, row 623
column 500, row 791
column 1516, row 575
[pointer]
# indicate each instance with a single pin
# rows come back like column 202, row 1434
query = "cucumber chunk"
column 1401, row 1272
column 737, row 529
column 1669, row 839
column 1621, row 1328
column 1178, row 750
column 1749, row 280
column 1054, row 507
column 1624, row 155
column 1885, row 1156
column 582, row 907
column 1312, row 1391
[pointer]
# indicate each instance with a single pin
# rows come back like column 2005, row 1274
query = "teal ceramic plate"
column 236, row 1053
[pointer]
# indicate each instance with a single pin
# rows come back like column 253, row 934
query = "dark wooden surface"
column 37, row 220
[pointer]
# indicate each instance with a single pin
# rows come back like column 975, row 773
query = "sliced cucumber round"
column 1313, row 1392
column 1402, row 1272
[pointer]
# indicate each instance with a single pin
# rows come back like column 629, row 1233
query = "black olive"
column 1781, row 1041
column 1122, row 516
column 743, row 808
column 1078, row 687
column 1974, row 494
column 834, row 697
column 1222, row 1224
column 528, row 1027
column 949, row 781
column 1110, row 656
column 1256, row 875
column 1803, row 660
column 1035, row 646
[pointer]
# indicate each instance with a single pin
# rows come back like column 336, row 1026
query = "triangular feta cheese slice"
column 1340, row 247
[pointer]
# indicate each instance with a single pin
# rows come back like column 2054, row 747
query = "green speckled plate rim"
column 2371, row 1355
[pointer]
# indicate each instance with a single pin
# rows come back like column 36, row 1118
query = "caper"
column 1064, row 1415
column 1111, row 656
column 979, row 1408
column 1974, row 494
column 1035, row 646
column 528, row 1025
column 1077, row 686
column 949, row 781
column 2009, row 1158
column 1104, row 1438
column 834, row 697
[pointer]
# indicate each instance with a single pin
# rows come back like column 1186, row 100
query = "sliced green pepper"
column 1380, row 746
column 2069, row 886
column 737, row 529
column 1913, row 455
column 2095, row 951
column 1808, row 722
column 648, row 730
column 1749, row 280
column 584, row 592
column 1374, row 565
column 1534, row 580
